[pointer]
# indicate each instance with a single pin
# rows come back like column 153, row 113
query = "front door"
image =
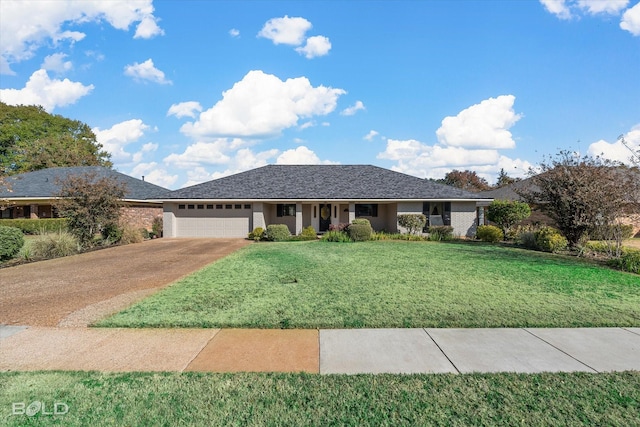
column 325, row 217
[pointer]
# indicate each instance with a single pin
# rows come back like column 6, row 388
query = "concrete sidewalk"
column 326, row 351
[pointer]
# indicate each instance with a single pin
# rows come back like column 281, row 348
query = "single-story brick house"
column 318, row 196
column 31, row 195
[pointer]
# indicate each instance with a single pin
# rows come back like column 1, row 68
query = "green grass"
column 391, row 284
column 168, row 399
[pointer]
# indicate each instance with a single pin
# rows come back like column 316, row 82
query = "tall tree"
column 504, row 179
column 580, row 193
column 466, row 180
column 32, row 139
column 506, row 213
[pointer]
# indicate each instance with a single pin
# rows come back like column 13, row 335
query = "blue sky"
column 186, row 91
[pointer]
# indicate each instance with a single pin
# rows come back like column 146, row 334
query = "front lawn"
column 391, row 284
column 169, row 399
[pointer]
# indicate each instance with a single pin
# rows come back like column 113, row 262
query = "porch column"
column 258, row 215
column 34, row 212
column 352, row 212
column 298, row 218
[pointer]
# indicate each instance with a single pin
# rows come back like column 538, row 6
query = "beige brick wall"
column 140, row 216
column 463, row 218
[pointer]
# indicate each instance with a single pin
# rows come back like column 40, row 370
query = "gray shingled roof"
column 317, row 182
column 45, row 183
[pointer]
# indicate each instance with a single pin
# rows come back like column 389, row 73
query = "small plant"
column 360, row 231
column 335, row 236
column 130, row 235
column 54, row 245
column 37, row 226
column 11, row 241
column 257, row 234
column 309, row 233
column 156, row 226
column 489, row 233
column 111, row 234
column 277, row 233
column 628, row 261
column 440, row 232
column 548, row 239
column 339, row 227
column 145, row 233
column 412, row 222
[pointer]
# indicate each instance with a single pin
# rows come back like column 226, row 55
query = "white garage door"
column 212, row 227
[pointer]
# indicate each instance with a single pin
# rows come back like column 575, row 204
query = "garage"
column 202, row 220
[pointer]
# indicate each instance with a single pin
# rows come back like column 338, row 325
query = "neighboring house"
column 32, row 194
column 318, row 196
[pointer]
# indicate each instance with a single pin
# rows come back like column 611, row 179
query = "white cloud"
column 262, row 105
column 146, row 71
column 315, row 46
column 47, row 92
column 285, row 30
column 148, row 28
column 200, row 153
column 154, row 174
column 372, row 134
column 243, row 160
column 631, row 20
column 616, row 150
column 118, row 136
column 27, row 25
column 184, row 109
column 611, row 7
column 234, row 32
column 558, row 8
column 301, row 156
column 483, row 125
column 56, row 63
column 149, row 147
column 434, row 161
column 350, row 111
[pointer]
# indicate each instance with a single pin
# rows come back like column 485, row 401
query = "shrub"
column 527, row 239
column 156, row 226
column 360, row 232
column 54, row 245
column 505, row 213
column 335, row 236
column 489, row 233
column 277, row 233
column 145, row 233
column 11, row 241
column 130, row 235
column 339, row 227
column 37, row 226
column 548, row 239
column 440, row 232
column 256, row 234
column 628, row 261
column 361, row 221
column 412, row 222
column 611, row 232
column 111, row 233
column 309, row 233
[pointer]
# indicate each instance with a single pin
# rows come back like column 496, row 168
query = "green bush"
column 440, row 232
column 54, row 245
column 130, row 235
column 360, row 232
column 277, row 233
column 11, row 241
column 145, row 233
column 381, row 235
column 256, row 234
column 309, row 233
column 414, row 223
column 37, row 226
column 527, row 239
column 156, row 226
column 489, row 233
column 548, row 239
column 628, row 261
column 361, row 221
column 335, row 236
column 111, row 233
column 611, row 232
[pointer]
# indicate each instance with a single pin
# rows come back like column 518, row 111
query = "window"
column 369, row 209
column 191, row 206
column 218, row 206
column 247, row 206
column 209, row 206
column 200, row 206
column 181, row 206
column 228, row 206
column 288, row 209
column 237, row 207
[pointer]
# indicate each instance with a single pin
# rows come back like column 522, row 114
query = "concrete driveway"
column 78, row 290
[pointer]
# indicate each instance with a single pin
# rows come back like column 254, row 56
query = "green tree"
column 91, row 204
column 32, row 139
column 412, row 222
column 580, row 193
column 506, row 213
column 466, row 180
column 504, row 179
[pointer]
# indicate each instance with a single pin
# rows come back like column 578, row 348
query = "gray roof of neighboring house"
column 46, row 183
column 508, row 192
column 317, row 182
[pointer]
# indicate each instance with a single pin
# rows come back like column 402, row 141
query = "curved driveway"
column 77, row 290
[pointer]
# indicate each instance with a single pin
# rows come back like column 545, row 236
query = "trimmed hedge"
column 11, row 241
column 37, row 226
column 277, row 233
column 628, row 261
column 489, row 233
column 360, row 232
